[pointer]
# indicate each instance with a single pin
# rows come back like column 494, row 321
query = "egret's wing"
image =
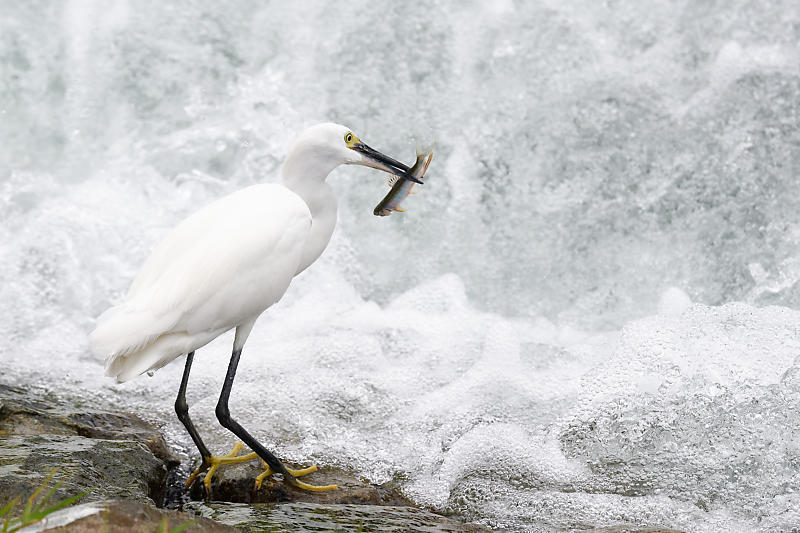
column 227, row 262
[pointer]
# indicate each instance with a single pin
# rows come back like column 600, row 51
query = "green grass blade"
column 63, row 503
column 14, row 525
column 9, row 519
column 29, row 504
column 35, row 511
column 10, row 505
column 47, row 497
column 37, row 514
column 182, row 527
column 7, row 523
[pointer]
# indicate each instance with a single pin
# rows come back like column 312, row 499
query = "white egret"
column 222, row 267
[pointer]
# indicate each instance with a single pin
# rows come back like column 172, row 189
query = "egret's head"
column 334, row 144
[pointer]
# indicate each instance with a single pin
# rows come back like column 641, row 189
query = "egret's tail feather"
column 123, row 330
column 136, row 341
column 158, row 353
column 127, row 367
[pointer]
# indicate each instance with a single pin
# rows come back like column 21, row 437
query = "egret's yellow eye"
column 351, row 139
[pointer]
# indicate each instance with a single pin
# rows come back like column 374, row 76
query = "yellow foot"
column 214, row 462
column 297, row 483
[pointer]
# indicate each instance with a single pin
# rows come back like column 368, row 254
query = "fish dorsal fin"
column 392, row 180
column 425, row 150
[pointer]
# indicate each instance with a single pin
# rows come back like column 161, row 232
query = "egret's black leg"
column 224, row 417
column 182, row 409
column 210, row 462
column 273, row 463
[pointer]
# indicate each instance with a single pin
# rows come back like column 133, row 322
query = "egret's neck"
column 307, row 180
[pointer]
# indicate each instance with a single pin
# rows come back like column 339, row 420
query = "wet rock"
column 24, row 414
column 356, row 506
column 125, row 516
column 110, row 453
column 121, row 457
column 111, row 469
column 303, row 517
column 236, row 484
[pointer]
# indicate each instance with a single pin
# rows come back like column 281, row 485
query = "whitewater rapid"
column 586, row 317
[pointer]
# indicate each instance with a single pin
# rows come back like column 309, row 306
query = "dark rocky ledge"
column 115, row 455
column 125, row 461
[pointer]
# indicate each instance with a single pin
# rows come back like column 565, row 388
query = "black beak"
column 375, row 159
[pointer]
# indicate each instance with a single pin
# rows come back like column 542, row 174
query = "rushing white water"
column 521, row 347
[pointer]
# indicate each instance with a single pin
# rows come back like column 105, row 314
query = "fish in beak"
column 375, row 159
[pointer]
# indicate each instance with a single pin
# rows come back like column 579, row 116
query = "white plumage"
column 228, row 262
column 220, row 267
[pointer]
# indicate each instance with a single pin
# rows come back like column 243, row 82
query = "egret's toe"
column 313, row 488
column 214, row 463
column 296, row 482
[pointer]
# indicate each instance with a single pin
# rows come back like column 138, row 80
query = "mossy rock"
column 116, row 455
column 111, row 469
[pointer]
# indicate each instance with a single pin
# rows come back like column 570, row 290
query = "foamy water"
column 586, row 317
